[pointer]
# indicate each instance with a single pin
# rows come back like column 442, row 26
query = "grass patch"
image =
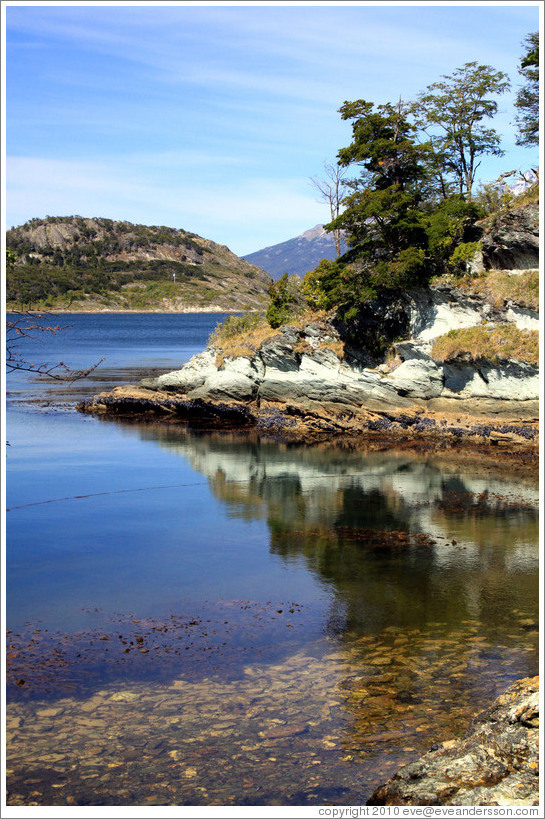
column 240, row 336
column 501, row 286
column 243, row 335
column 496, row 343
column 336, row 347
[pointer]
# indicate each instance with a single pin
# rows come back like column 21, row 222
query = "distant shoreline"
column 193, row 311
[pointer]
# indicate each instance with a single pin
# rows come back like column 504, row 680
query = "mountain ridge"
column 96, row 263
column 295, row 256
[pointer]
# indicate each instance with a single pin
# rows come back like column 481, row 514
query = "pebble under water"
column 219, row 620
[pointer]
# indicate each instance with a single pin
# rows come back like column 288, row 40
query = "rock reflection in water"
column 431, row 573
column 400, row 539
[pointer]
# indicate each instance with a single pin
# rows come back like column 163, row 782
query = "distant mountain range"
column 297, row 255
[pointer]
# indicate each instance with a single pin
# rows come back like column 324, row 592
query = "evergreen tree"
column 452, row 113
column 382, row 216
column 527, row 100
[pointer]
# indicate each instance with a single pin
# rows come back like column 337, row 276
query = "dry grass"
column 336, row 347
column 243, row 335
column 495, row 343
column 500, row 286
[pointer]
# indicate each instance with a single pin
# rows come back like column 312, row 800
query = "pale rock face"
column 523, row 318
column 419, row 378
column 436, row 312
column 509, row 380
column 278, row 372
column 192, row 375
column 226, row 384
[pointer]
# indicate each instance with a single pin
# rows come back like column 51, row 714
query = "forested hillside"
column 98, row 264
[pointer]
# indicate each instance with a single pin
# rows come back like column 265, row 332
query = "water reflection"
column 430, row 569
column 400, row 539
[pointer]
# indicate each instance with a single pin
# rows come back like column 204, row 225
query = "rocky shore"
column 308, row 383
column 495, row 763
column 455, row 362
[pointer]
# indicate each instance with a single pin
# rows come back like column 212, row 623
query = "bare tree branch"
column 333, row 190
column 27, row 325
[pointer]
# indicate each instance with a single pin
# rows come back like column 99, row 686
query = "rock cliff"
column 303, row 363
column 510, row 240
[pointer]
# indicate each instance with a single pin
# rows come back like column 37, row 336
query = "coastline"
column 506, row 439
column 70, row 311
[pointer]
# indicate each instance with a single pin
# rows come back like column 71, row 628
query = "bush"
column 463, row 254
column 448, row 225
column 287, row 300
column 234, row 326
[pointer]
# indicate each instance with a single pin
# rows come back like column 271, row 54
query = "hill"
column 297, row 255
column 74, row 263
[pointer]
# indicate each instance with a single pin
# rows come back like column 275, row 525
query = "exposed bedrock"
column 495, row 763
column 303, row 364
column 510, row 240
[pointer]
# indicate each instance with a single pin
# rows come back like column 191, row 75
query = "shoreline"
column 54, row 312
column 505, row 439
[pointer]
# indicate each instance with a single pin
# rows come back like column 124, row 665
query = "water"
column 219, row 620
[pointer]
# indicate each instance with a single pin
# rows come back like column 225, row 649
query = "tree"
column 452, row 114
column 332, row 189
column 382, row 215
column 527, row 100
column 286, row 300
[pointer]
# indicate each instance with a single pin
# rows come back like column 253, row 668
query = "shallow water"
column 219, row 620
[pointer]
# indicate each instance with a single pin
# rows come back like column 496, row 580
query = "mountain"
column 297, row 255
column 98, row 264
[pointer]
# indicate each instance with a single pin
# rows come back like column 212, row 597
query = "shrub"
column 463, row 254
column 234, row 326
column 286, row 300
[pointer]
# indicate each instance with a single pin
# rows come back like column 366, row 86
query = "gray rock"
column 524, row 318
column 408, row 350
column 495, row 763
column 280, row 355
column 192, row 375
column 511, row 239
column 417, row 377
column 435, row 311
column 507, row 380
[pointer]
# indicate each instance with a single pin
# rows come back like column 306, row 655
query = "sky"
column 213, row 117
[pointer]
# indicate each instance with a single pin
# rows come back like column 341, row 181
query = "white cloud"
column 247, row 216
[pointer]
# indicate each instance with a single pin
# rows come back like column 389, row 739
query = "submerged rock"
column 495, row 763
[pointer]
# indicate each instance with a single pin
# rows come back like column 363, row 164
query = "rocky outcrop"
column 510, row 240
column 495, row 763
column 303, row 363
column 385, row 365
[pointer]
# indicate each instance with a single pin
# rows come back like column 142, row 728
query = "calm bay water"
column 219, row 620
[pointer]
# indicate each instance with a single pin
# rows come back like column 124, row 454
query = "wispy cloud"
column 213, row 117
column 254, row 210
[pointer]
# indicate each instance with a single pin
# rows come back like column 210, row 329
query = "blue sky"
column 213, row 117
